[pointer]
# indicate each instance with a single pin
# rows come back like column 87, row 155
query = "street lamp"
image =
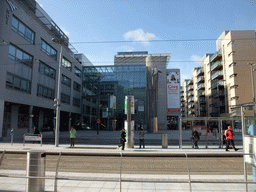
column 253, row 89
column 57, row 100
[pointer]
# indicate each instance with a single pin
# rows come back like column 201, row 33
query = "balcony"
column 182, row 105
column 200, row 72
column 191, row 106
column 202, row 101
column 190, row 82
column 216, row 55
column 182, row 100
column 191, row 112
column 217, row 75
column 217, row 65
column 217, row 84
column 200, row 79
column 219, row 94
column 190, row 87
column 182, row 110
column 182, row 94
column 201, row 109
column 215, row 105
column 201, row 86
column 190, row 100
column 201, row 93
column 190, row 94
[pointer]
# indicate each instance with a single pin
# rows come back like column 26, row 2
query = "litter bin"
column 164, row 141
column 35, row 169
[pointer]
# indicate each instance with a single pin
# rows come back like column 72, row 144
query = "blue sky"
column 182, row 22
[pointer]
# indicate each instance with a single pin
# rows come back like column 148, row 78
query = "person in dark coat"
column 123, row 138
column 36, row 131
column 229, row 135
column 195, row 137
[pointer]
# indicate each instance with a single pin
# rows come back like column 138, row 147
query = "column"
column 1, row 117
column 30, row 129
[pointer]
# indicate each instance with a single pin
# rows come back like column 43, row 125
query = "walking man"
column 141, row 135
column 72, row 136
column 195, row 137
column 123, row 138
column 229, row 136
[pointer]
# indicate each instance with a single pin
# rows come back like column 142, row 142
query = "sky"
column 186, row 29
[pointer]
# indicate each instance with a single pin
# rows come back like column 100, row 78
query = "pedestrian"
column 72, row 136
column 141, row 135
column 195, row 137
column 36, row 131
column 229, row 136
column 123, row 138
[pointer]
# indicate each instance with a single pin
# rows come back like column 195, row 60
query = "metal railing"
column 66, row 172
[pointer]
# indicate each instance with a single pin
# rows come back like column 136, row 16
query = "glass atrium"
column 100, row 83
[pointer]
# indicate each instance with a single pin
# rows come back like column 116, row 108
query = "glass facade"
column 101, row 82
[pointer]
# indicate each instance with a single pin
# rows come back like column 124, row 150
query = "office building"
column 30, row 67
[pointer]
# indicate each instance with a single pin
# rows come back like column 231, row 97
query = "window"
column 66, row 64
column 76, row 102
column 77, row 72
column 65, row 98
column 232, row 53
column 231, row 42
column 23, row 30
column 45, row 92
column 76, row 86
column 19, row 55
column 66, row 81
column 15, row 82
column 233, row 75
column 232, row 64
column 47, row 70
column 49, row 50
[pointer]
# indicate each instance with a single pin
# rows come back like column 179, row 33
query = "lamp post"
column 253, row 89
column 57, row 100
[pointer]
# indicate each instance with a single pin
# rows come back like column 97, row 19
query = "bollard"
column 35, row 171
column 164, row 141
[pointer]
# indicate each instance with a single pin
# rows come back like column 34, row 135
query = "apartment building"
column 225, row 78
column 30, row 64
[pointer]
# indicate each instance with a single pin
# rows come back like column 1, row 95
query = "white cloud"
column 125, row 49
column 196, row 58
column 139, row 35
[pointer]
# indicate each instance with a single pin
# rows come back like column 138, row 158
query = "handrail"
column 2, row 157
column 56, row 173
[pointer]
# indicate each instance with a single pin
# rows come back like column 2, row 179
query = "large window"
column 67, row 64
column 65, row 80
column 48, row 49
column 19, row 55
column 23, row 30
column 65, row 98
column 77, row 71
column 76, row 102
column 45, row 91
column 18, row 83
column 47, row 70
column 76, row 86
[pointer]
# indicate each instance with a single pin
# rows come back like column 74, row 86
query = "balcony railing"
column 191, row 106
column 201, row 86
column 191, row 112
column 191, row 100
column 190, row 87
column 190, row 82
column 219, row 94
column 200, row 71
column 216, row 55
column 201, row 93
column 217, row 74
column 202, row 101
column 216, row 65
column 200, row 79
column 190, row 94
column 217, row 84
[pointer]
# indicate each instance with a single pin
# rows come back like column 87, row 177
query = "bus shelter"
column 207, row 134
